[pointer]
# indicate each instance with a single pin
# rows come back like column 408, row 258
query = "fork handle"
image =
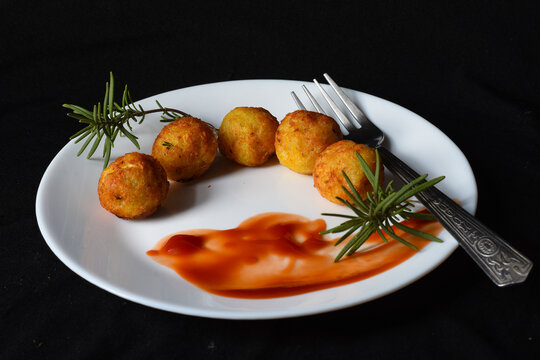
column 503, row 264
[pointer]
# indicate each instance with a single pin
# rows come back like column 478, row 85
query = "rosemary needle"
column 108, row 119
column 379, row 211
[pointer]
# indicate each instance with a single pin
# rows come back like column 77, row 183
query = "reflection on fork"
column 503, row 264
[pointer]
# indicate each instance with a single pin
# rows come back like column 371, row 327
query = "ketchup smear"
column 276, row 254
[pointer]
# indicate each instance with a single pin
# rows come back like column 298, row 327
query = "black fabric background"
column 472, row 69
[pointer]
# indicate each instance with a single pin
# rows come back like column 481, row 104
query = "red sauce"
column 274, row 255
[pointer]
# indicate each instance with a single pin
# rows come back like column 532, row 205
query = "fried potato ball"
column 247, row 135
column 340, row 156
column 301, row 136
column 133, row 186
column 185, row 148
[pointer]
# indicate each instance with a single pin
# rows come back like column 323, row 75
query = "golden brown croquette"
column 338, row 157
column 185, row 148
column 133, row 186
column 301, row 136
column 247, row 135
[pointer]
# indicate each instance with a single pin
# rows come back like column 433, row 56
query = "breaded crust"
column 185, row 148
column 338, row 157
column 301, row 136
column 133, row 186
column 247, row 134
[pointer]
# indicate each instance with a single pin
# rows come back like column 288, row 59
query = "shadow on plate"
column 183, row 196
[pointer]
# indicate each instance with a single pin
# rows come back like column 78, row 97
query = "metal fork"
column 503, row 264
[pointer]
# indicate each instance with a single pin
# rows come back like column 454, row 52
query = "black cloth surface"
column 471, row 69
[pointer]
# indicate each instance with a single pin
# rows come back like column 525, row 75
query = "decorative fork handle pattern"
column 503, row 264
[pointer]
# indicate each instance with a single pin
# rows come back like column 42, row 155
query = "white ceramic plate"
column 110, row 252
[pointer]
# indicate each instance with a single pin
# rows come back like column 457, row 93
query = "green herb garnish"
column 107, row 120
column 167, row 144
column 380, row 210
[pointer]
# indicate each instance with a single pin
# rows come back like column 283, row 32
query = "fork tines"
column 347, row 123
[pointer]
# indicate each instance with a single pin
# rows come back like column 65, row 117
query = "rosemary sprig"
column 105, row 121
column 379, row 211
